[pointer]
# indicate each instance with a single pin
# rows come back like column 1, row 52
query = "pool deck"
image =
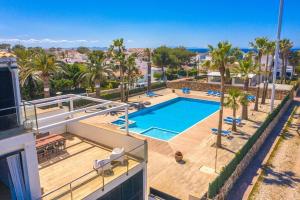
column 189, row 179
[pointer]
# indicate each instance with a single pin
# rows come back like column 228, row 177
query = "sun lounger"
column 151, row 94
column 216, row 93
column 210, row 92
column 251, row 98
column 118, row 154
column 186, row 90
column 237, row 119
column 223, row 132
column 230, row 121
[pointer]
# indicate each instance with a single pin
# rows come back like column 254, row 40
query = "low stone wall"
column 251, row 154
column 200, row 86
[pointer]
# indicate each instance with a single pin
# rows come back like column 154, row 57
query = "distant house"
column 289, row 68
column 215, row 78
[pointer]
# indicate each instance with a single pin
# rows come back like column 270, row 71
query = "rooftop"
column 74, row 169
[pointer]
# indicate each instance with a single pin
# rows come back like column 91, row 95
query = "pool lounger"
column 223, row 132
column 231, row 118
column 151, row 94
column 186, row 90
column 210, row 92
column 251, row 98
column 230, row 121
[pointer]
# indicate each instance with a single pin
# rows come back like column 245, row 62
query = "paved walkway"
column 239, row 191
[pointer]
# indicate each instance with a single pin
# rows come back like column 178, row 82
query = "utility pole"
column 276, row 63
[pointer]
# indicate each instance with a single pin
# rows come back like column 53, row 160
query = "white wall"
column 107, row 137
column 27, row 143
column 57, row 129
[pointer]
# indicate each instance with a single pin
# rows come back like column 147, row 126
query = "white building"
column 49, row 147
column 215, row 78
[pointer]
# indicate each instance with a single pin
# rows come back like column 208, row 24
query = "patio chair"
column 101, row 166
column 223, row 132
column 118, row 155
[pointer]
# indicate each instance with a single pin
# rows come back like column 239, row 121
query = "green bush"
column 217, row 184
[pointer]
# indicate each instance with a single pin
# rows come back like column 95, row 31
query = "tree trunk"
column 285, row 66
column 219, row 136
column 234, row 120
column 282, row 69
column 245, row 107
column 164, row 74
column 258, row 84
column 125, row 92
column 263, row 98
column 268, row 78
column 122, row 83
column 46, row 86
column 149, row 77
column 97, row 86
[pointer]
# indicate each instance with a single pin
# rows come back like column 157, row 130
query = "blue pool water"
column 166, row 120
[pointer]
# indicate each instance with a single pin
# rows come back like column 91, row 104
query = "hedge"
column 216, row 185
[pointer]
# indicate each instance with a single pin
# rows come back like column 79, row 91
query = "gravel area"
column 281, row 177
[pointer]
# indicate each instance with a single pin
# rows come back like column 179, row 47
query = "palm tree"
column 232, row 101
column 285, row 50
column 74, row 72
column 132, row 73
column 259, row 45
column 98, row 70
column 270, row 50
column 245, row 68
column 25, row 62
column 117, row 54
column 221, row 59
column 43, row 67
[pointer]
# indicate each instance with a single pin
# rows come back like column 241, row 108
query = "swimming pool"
column 167, row 119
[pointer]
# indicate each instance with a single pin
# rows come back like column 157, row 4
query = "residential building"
column 235, row 79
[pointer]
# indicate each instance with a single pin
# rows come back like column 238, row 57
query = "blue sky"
column 192, row 23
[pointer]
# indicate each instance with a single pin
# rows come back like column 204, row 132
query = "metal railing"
column 16, row 116
column 66, row 191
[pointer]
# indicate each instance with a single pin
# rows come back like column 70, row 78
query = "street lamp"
column 276, row 64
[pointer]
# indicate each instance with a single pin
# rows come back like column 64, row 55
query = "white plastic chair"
column 118, row 154
column 102, row 165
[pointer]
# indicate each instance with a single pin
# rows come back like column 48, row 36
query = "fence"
column 228, row 171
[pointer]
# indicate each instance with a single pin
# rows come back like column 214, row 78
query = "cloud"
column 129, row 41
column 46, row 41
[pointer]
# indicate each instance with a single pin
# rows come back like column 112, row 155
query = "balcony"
column 67, row 171
column 70, row 175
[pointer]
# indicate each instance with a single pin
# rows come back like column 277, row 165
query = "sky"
column 151, row 23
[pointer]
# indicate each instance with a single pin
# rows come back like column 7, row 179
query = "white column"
column 145, row 191
column 17, row 94
column 71, row 107
column 32, row 170
column 276, row 63
column 126, row 120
